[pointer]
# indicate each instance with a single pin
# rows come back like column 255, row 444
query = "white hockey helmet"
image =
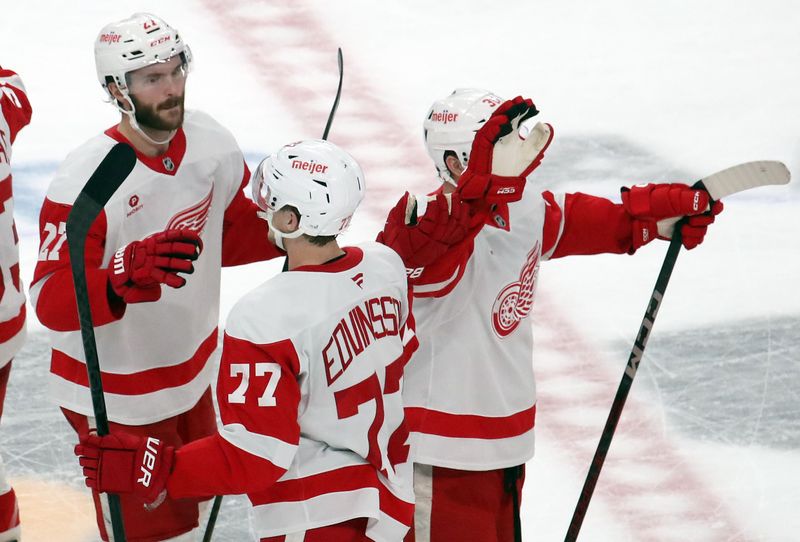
column 452, row 122
column 323, row 182
column 133, row 43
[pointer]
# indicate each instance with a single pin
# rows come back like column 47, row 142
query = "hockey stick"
column 338, row 95
column 719, row 185
column 102, row 184
column 212, row 517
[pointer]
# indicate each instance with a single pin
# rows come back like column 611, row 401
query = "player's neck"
column 301, row 253
column 139, row 142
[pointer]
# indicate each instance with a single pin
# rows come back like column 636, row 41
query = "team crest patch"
column 195, row 217
column 169, row 165
column 515, row 301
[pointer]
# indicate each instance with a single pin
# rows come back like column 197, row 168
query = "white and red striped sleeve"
column 14, row 105
column 439, row 278
column 15, row 113
column 258, row 396
column 52, row 289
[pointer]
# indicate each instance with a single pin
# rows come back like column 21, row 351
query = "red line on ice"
column 273, row 36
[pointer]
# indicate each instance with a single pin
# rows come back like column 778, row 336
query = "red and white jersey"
column 309, row 396
column 470, row 392
column 15, row 113
column 153, row 356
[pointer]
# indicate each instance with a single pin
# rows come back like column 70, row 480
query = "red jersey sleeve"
column 14, row 104
column 53, row 290
column 258, row 395
column 244, row 234
column 585, row 224
column 439, row 278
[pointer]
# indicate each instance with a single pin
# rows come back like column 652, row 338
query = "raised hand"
column 422, row 234
column 503, row 154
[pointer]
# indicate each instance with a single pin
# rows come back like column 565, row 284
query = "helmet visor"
column 159, row 75
column 261, row 191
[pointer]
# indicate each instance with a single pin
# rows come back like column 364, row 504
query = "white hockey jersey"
column 309, row 391
column 153, row 356
column 15, row 113
column 470, row 393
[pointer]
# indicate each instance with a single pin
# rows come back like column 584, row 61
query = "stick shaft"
column 624, row 387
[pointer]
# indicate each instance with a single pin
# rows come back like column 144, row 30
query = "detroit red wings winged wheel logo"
column 515, row 301
column 195, row 217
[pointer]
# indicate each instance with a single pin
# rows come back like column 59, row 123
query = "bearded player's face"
column 157, row 93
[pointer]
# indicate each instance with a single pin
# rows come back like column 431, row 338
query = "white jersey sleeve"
column 15, row 113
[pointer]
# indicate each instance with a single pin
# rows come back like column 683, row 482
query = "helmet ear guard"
column 319, row 179
column 451, row 124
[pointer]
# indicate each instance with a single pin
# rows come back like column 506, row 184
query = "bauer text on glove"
column 126, row 464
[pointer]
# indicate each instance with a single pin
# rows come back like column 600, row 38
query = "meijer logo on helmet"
column 110, row 38
column 444, row 116
column 311, row 167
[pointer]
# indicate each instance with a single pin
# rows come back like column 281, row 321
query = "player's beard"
column 154, row 117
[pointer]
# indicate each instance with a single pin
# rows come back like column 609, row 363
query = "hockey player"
column 153, row 259
column 309, row 384
column 15, row 113
column 469, row 390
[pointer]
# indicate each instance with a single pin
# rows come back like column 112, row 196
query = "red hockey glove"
column 139, row 269
column 694, row 230
column 656, row 208
column 126, row 464
column 422, row 240
column 477, row 182
column 498, row 165
column 664, row 200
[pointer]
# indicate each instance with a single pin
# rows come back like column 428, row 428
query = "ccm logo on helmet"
column 159, row 41
column 110, row 38
column 311, row 167
column 444, row 117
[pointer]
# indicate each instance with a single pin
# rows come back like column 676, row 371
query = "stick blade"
column 745, row 176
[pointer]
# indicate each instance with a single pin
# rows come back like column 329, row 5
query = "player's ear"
column 287, row 219
column 453, row 166
column 118, row 95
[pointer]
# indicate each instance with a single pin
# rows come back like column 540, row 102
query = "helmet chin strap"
column 135, row 125
column 278, row 234
column 446, row 178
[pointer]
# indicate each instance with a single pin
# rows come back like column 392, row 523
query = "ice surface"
column 707, row 448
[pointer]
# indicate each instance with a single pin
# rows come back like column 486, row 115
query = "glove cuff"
column 490, row 188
